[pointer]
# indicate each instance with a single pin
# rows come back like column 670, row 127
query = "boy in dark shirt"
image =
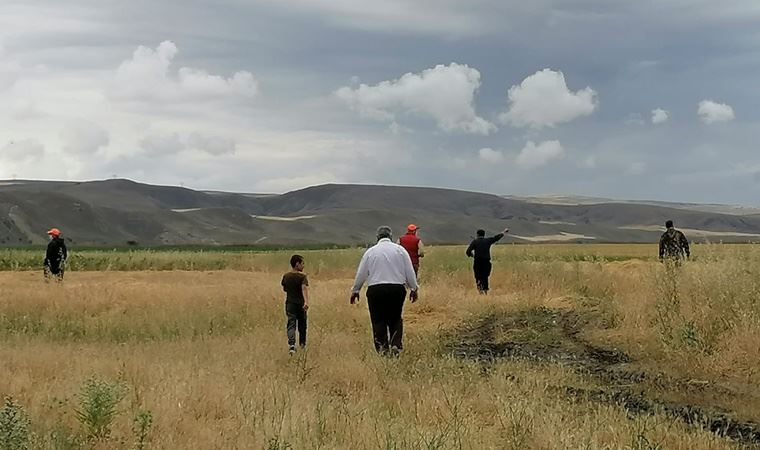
column 55, row 256
column 296, row 286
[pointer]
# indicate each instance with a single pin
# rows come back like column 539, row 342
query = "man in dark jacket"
column 480, row 251
column 55, row 256
column 673, row 244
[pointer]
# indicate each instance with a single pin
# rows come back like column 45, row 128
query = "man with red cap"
column 413, row 245
column 55, row 257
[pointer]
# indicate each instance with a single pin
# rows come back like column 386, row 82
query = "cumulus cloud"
column 147, row 76
column 281, row 131
column 543, row 99
column 490, row 155
column 444, row 93
column 22, row 150
column 84, row 138
column 712, row 112
column 536, row 155
column 659, row 116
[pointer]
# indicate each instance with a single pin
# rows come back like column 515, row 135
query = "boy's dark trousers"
column 53, row 269
column 386, row 304
column 482, row 269
column 296, row 319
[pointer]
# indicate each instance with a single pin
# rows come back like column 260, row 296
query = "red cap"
column 412, row 227
column 54, row 232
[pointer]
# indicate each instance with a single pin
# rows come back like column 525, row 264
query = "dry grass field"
column 577, row 347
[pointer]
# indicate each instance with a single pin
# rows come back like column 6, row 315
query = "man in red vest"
column 413, row 245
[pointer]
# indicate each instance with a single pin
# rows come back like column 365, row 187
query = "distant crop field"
column 241, row 258
column 577, row 346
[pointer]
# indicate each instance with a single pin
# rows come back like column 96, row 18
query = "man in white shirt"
column 387, row 270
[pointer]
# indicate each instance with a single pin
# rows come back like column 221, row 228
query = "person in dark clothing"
column 480, row 251
column 55, row 256
column 296, row 286
column 673, row 244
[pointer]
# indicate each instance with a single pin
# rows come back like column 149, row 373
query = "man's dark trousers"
column 482, row 269
column 386, row 303
column 296, row 318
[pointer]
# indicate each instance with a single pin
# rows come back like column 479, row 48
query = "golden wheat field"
column 577, row 347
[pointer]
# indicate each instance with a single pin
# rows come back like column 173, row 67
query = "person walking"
column 55, row 256
column 387, row 270
column 673, row 244
column 413, row 245
column 296, row 286
column 480, row 251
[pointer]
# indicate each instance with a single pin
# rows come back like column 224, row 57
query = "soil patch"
column 545, row 335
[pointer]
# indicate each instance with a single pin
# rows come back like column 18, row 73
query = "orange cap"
column 54, row 232
column 412, row 227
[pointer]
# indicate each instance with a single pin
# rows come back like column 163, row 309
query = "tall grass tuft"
column 141, row 425
column 98, row 407
column 14, row 426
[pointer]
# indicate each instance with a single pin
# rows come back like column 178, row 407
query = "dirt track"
column 543, row 335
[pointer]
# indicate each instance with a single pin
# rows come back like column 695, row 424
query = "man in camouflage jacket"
column 673, row 244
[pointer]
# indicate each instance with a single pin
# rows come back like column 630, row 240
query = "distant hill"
column 118, row 212
column 581, row 200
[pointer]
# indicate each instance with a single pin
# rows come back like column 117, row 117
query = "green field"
column 242, row 258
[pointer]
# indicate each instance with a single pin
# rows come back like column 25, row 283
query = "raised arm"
column 420, row 250
column 496, row 238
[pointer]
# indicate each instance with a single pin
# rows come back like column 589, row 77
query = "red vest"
column 412, row 245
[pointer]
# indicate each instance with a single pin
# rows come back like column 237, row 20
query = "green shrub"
column 14, row 426
column 141, row 426
column 98, row 406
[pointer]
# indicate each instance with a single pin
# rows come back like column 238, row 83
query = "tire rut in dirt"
column 543, row 335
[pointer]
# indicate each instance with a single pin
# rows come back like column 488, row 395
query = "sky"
column 653, row 99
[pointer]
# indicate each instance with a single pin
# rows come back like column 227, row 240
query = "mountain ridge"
column 116, row 212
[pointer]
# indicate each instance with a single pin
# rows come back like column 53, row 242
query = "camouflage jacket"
column 673, row 244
